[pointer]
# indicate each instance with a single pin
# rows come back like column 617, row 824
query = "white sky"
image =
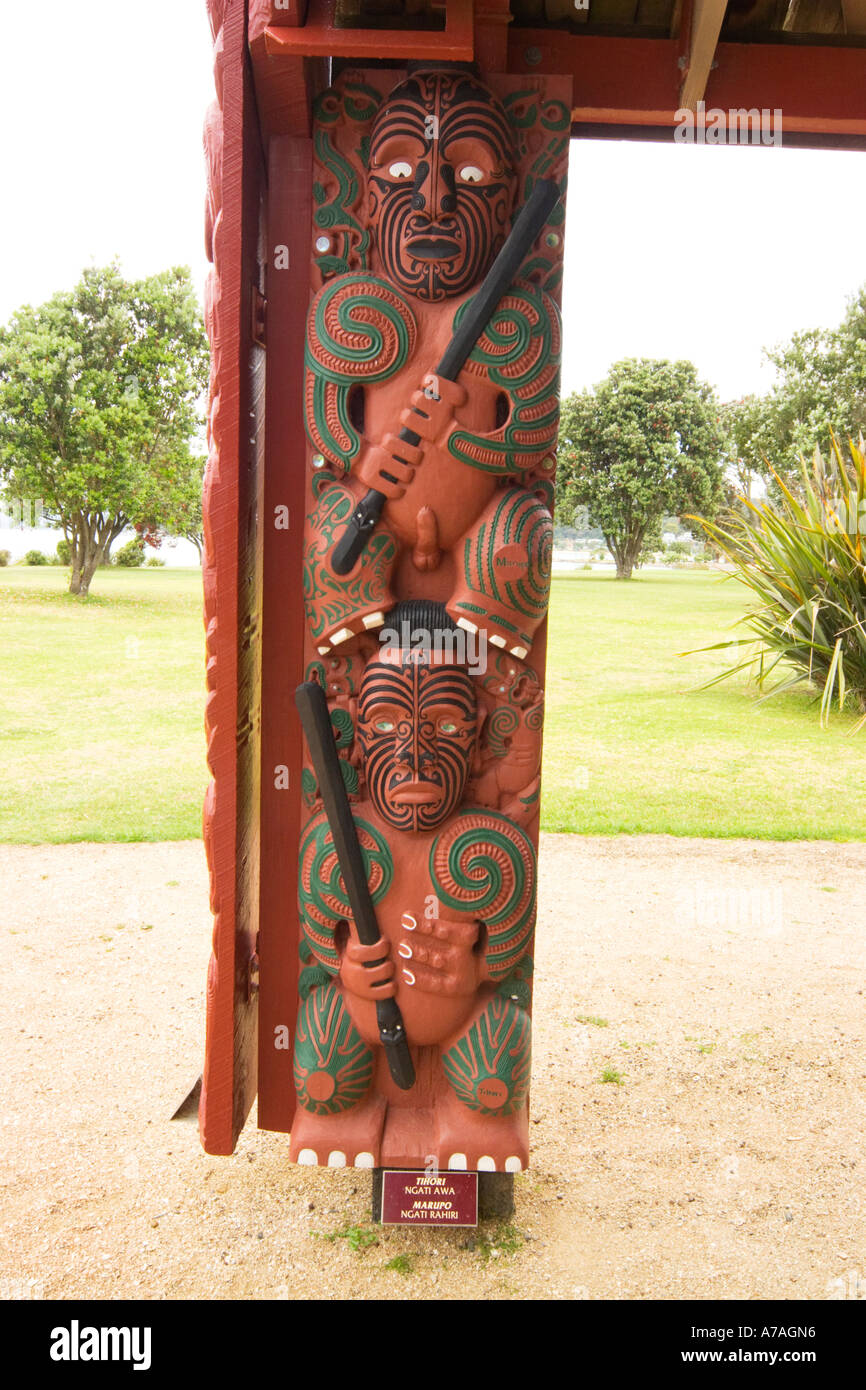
column 672, row 251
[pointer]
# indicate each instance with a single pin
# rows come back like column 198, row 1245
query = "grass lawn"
column 632, row 745
column 102, row 709
column 101, row 718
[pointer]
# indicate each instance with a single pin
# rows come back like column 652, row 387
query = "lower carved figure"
column 456, row 913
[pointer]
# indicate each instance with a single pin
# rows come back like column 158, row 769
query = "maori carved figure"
column 429, row 646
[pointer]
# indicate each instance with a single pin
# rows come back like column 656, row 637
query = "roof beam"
column 705, row 27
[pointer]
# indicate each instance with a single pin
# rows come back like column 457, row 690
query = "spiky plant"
column 805, row 561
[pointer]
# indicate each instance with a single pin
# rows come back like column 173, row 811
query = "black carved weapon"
column 313, row 709
column 527, row 225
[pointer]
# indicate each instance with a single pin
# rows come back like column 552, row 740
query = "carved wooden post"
column 430, row 645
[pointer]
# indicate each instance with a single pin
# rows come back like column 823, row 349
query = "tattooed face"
column 440, row 183
column 417, row 728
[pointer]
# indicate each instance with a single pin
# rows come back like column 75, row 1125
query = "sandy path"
column 729, row 1163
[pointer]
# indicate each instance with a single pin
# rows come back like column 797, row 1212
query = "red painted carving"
column 416, row 183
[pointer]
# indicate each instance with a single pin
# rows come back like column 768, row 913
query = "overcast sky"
column 672, row 251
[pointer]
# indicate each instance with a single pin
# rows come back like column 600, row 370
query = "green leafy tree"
column 99, row 399
column 819, row 391
column 646, row 443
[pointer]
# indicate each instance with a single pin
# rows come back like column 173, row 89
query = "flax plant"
column 805, row 561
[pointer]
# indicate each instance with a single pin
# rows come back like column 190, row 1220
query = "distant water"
column 18, row 540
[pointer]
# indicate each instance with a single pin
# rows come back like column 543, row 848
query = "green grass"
column 611, row 1076
column 632, row 745
column 101, row 718
column 358, row 1238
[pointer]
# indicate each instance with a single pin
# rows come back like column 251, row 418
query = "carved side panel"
column 230, row 822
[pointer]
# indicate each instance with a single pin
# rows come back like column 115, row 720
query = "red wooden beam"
column 319, row 37
column 636, row 82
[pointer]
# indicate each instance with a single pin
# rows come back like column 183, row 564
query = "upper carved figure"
column 440, row 185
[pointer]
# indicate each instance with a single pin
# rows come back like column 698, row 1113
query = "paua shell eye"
column 447, row 726
column 383, row 726
column 400, row 169
column 470, row 173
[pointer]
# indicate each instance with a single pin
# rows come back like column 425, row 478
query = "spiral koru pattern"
column 484, row 864
column 360, row 329
column 519, row 351
column 501, row 727
column 322, row 900
column 333, row 1065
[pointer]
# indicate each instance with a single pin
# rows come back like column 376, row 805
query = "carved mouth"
column 416, row 794
column 430, row 248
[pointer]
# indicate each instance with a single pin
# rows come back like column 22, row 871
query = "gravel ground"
column 721, row 982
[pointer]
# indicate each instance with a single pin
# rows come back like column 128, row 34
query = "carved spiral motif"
column 484, row 864
column 500, row 727
column 322, row 899
column 360, row 329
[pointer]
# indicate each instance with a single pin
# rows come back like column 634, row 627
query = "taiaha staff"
column 313, row 709
column 528, row 223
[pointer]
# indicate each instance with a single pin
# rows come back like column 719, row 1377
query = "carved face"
column 440, row 183
column 417, row 730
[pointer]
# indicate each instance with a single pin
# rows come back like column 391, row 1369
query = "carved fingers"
column 389, row 467
column 368, row 971
column 436, row 955
column 431, row 409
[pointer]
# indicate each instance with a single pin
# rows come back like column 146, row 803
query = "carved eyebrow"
column 388, row 146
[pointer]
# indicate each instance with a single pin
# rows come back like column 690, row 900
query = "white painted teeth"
column 513, row 1165
column 342, row 636
column 519, row 651
column 336, row 1159
column 466, row 625
column 496, row 640
column 373, row 620
column 365, row 1160
column 457, row 1163
column 308, row 1157
column 486, row 1164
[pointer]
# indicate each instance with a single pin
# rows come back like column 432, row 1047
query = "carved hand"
column 437, row 956
column 368, row 982
column 390, row 466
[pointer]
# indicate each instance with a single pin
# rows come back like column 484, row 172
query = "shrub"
column 35, row 557
column 805, row 561
column 64, row 552
column 154, row 562
column 5, row 557
column 131, row 555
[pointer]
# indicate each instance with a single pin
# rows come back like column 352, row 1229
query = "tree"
column 647, row 442
column 819, row 390
column 99, row 392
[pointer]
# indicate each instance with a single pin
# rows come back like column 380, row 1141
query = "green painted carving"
column 336, row 205
column 518, row 519
column 332, row 599
column 333, row 1065
column 361, row 330
column 322, row 901
column 519, row 352
column 484, row 864
column 488, row 1067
